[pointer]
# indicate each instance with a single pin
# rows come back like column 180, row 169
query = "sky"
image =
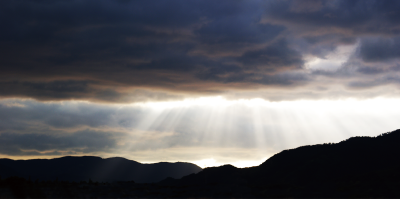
column 208, row 82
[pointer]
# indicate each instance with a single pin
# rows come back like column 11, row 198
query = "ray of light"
column 240, row 132
column 270, row 125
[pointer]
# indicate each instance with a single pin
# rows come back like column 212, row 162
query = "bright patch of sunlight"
column 247, row 163
column 218, row 101
column 211, row 162
column 207, row 163
column 209, row 101
column 333, row 60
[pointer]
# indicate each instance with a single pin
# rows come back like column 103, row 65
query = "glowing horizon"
column 207, row 131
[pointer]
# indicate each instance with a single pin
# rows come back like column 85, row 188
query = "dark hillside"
column 358, row 158
column 94, row 168
column 359, row 167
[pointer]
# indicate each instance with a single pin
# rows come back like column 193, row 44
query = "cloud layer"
column 130, row 51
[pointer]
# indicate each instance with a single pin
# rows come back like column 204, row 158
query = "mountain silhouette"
column 369, row 165
column 359, row 167
column 94, row 168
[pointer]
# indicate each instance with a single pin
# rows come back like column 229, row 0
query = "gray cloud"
column 379, row 81
column 129, row 51
column 273, row 57
column 39, row 144
column 103, row 50
column 325, row 25
column 356, row 16
column 380, row 49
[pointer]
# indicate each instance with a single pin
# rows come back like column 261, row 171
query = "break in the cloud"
column 132, row 51
column 209, row 131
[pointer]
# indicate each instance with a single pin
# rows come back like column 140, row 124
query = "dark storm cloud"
column 374, row 82
column 324, row 25
column 380, row 49
column 389, row 69
column 273, row 57
column 318, row 28
column 107, row 50
column 56, row 115
column 38, row 144
column 370, row 70
column 92, row 49
column 58, row 89
column 356, row 16
column 237, row 29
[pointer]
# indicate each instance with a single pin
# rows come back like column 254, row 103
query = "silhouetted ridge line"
column 359, row 167
column 83, row 168
column 356, row 159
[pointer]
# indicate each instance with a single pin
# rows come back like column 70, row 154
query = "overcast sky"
column 113, row 78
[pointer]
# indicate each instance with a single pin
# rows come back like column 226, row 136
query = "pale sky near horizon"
column 208, row 82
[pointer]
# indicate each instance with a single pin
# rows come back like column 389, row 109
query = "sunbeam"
column 267, row 127
column 208, row 131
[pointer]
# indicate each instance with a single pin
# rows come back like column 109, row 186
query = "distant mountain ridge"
column 359, row 167
column 94, row 168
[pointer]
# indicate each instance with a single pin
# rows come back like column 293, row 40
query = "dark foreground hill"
column 94, row 168
column 357, row 167
column 360, row 167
